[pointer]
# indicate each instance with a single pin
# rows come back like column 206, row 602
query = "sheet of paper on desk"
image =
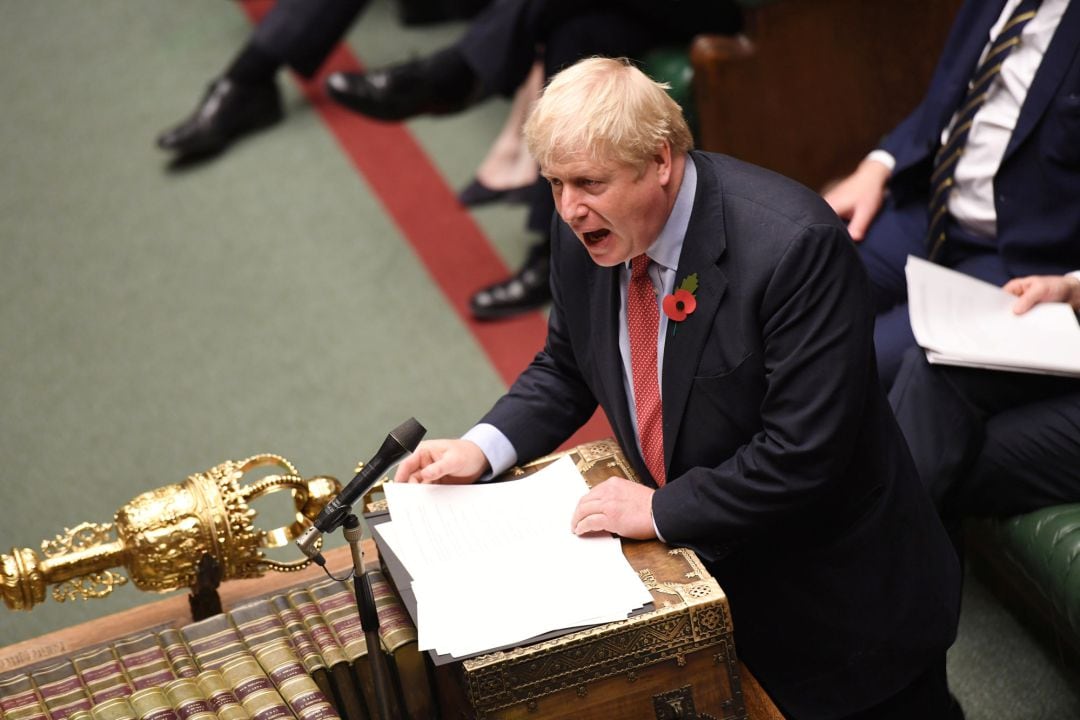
column 496, row 564
column 960, row 320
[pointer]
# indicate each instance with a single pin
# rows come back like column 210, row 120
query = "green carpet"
column 154, row 324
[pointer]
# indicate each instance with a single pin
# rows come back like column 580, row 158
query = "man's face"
column 616, row 210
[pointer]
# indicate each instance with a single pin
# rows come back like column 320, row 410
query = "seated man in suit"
column 990, row 443
column 719, row 314
column 984, row 175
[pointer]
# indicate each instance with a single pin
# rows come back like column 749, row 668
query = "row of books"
column 300, row 654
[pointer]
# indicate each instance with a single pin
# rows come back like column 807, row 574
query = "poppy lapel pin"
column 681, row 304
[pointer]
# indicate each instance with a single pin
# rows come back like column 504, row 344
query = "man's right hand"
column 443, row 461
column 1035, row 289
column 858, row 197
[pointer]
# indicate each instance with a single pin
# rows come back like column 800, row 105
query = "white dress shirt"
column 971, row 201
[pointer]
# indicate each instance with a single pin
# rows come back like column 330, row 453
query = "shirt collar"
column 667, row 247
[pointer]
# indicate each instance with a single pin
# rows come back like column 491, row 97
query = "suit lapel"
column 1055, row 64
column 704, row 243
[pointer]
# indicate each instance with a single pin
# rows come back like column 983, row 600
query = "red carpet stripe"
column 452, row 247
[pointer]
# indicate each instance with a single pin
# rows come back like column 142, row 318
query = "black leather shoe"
column 526, row 290
column 401, row 91
column 227, row 111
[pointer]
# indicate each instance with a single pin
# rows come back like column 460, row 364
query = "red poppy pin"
column 681, row 303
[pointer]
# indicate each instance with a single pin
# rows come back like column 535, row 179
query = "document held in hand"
column 496, row 564
column 960, row 320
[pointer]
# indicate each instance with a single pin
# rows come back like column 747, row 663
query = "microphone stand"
column 369, row 619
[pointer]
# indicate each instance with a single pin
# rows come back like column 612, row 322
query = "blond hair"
column 607, row 109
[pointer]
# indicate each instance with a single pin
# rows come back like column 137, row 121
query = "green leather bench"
column 1032, row 563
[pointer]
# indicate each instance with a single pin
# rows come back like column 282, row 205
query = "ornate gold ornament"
column 159, row 537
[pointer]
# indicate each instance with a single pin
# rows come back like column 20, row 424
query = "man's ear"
column 662, row 161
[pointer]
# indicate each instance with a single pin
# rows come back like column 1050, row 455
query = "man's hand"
column 1035, row 289
column 443, row 461
column 858, row 197
column 618, row 506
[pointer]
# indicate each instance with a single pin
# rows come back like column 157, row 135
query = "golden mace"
column 160, row 536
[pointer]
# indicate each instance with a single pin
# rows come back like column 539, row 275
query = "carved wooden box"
column 676, row 659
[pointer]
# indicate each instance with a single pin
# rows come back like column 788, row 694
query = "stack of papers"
column 496, row 564
column 960, row 320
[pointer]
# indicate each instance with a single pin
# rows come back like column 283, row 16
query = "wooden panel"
column 813, row 85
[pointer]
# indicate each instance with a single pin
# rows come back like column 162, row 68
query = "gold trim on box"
column 692, row 616
column 698, row 620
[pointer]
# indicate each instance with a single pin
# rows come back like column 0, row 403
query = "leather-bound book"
column 220, row 696
column 337, row 601
column 19, row 699
column 338, row 611
column 61, row 689
column 258, row 624
column 287, row 673
column 115, row 709
column 306, row 649
column 188, row 700
column 333, row 655
column 213, row 641
column 397, row 632
column 102, row 674
column 183, row 664
column 144, row 661
column 152, row 704
column 254, row 689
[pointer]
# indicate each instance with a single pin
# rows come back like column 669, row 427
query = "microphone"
column 401, row 441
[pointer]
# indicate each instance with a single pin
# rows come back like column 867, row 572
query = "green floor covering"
column 154, row 324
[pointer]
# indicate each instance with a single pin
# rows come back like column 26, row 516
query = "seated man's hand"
column 617, row 506
column 1035, row 289
column 443, row 461
column 858, row 197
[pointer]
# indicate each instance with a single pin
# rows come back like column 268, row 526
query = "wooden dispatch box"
column 674, row 659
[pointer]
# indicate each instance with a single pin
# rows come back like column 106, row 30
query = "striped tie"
column 643, row 327
column 948, row 155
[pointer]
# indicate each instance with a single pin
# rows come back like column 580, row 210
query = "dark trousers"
column 301, row 33
column 987, row 442
column 926, row 698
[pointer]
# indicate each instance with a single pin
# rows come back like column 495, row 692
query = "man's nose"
column 570, row 205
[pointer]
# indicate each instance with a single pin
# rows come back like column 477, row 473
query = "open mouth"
column 595, row 236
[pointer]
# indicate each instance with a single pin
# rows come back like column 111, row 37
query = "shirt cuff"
column 655, row 529
column 882, row 157
column 500, row 454
column 1075, row 274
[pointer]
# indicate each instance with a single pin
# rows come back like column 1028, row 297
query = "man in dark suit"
column 1008, row 183
column 750, row 406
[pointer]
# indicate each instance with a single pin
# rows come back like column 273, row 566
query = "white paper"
column 496, row 564
column 960, row 320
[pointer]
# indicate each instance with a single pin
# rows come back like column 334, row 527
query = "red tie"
column 642, row 325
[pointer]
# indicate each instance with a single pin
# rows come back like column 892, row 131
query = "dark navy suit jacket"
column 787, row 472
column 1037, row 188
